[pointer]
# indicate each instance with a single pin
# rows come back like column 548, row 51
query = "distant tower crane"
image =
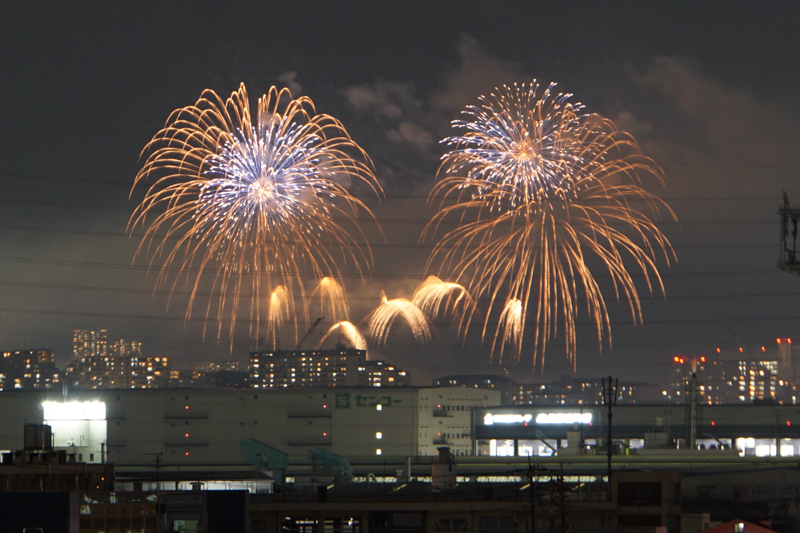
column 309, row 332
column 788, row 260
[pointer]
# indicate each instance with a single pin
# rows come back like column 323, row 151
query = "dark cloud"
column 410, row 133
column 477, row 73
column 289, row 80
column 387, row 99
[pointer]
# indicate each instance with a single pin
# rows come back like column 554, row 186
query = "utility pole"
column 562, row 500
column 531, row 473
column 610, row 399
column 157, row 455
column 693, row 410
column 532, row 490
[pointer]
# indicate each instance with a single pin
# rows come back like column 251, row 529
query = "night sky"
column 709, row 91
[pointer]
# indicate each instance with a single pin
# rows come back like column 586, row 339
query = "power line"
column 421, row 246
column 165, row 292
column 311, row 274
column 129, row 186
column 380, row 220
column 245, row 321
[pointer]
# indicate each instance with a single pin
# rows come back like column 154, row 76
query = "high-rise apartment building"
column 28, row 369
column 339, row 367
column 148, row 372
column 87, row 343
column 92, row 367
column 119, row 365
column 577, row 391
column 381, row 374
column 758, row 374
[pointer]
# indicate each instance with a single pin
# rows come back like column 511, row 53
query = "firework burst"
column 538, row 187
column 248, row 202
column 380, row 320
column 509, row 328
column 433, row 296
column 332, row 301
column 281, row 309
column 349, row 332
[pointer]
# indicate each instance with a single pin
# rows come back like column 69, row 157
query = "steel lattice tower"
column 789, row 260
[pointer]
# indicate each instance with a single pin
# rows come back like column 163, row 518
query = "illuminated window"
column 378, row 451
column 378, row 435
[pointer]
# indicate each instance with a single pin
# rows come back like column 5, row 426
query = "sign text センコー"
column 361, row 400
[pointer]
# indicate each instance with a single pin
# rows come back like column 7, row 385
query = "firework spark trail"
column 380, row 320
column 251, row 200
column 511, row 325
column 280, row 312
column 538, row 187
column 332, row 300
column 350, row 332
column 434, row 295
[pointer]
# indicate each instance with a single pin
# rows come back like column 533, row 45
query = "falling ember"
column 332, row 301
column 509, row 329
column 252, row 201
column 380, row 320
column 280, row 312
column 538, row 187
column 350, row 334
column 433, row 296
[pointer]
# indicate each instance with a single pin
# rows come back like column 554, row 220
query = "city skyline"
column 708, row 91
column 747, row 375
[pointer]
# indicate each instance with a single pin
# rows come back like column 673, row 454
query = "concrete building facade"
column 206, row 426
